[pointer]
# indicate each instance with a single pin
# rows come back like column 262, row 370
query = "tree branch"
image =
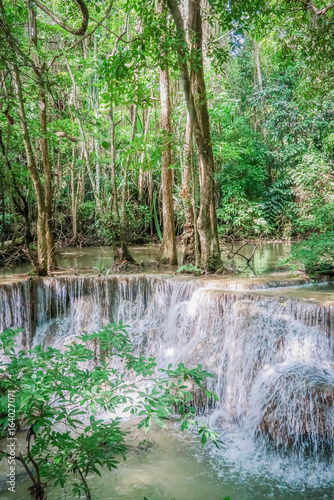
column 318, row 12
column 20, row 458
column 86, row 36
column 84, row 12
column 323, row 11
column 29, row 436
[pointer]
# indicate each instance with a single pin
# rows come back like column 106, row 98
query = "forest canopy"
column 181, row 122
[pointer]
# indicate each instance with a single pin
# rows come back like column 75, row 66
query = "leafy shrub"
column 87, row 209
column 314, row 189
column 189, row 269
column 316, row 253
column 139, row 220
column 239, row 216
column 278, row 205
column 60, row 396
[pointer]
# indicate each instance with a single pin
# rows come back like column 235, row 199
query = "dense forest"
column 187, row 123
column 141, row 140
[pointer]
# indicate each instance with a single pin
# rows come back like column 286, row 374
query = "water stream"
column 271, row 350
column 266, row 258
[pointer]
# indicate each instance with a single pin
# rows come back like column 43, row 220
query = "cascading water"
column 272, row 357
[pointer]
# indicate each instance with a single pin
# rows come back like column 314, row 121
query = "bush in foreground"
column 59, row 397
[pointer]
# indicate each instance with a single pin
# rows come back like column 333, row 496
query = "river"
column 267, row 338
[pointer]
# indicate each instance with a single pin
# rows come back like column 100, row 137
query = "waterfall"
column 272, row 357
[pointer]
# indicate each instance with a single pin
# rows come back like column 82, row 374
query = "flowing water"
column 266, row 258
column 270, row 349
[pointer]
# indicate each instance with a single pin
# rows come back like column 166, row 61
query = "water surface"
column 176, row 467
column 266, row 259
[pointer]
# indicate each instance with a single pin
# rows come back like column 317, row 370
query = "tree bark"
column 74, row 200
column 141, row 176
column 114, row 197
column 188, row 237
column 195, row 94
column 42, row 248
column 18, row 200
column 259, row 77
column 51, row 257
column 121, row 251
column 167, row 254
column 84, row 145
column 8, row 186
column 39, row 69
column 39, row 189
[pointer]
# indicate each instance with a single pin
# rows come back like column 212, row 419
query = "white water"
column 273, row 361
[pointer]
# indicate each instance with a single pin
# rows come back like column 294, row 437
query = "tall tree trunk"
column 207, row 224
column 196, row 238
column 150, row 199
column 188, row 237
column 85, row 146
column 52, row 260
column 39, row 189
column 41, row 265
column 167, row 253
column 74, row 199
column 195, row 94
column 39, row 69
column 121, row 251
column 114, row 197
column 259, row 77
column 59, row 170
column 141, row 176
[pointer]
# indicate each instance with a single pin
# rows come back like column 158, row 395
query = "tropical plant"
column 62, row 396
column 316, row 253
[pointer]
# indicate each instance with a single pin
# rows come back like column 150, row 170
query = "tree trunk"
column 39, row 69
column 259, row 77
column 141, row 177
column 195, row 94
column 196, row 239
column 121, row 251
column 74, row 200
column 42, row 264
column 167, row 254
column 84, row 146
column 39, row 189
column 188, row 237
column 52, row 260
column 8, row 186
column 59, row 170
column 114, row 197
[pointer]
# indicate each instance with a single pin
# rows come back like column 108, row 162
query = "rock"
column 299, row 411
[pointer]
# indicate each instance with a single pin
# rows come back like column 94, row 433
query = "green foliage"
column 139, row 219
column 272, row 140
column 242, row 175
column 240, row 217
column 87, row 210
column 316, row 253
column 314, row 188
column 278, row 206
column 60, row 398
column 189, row 269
